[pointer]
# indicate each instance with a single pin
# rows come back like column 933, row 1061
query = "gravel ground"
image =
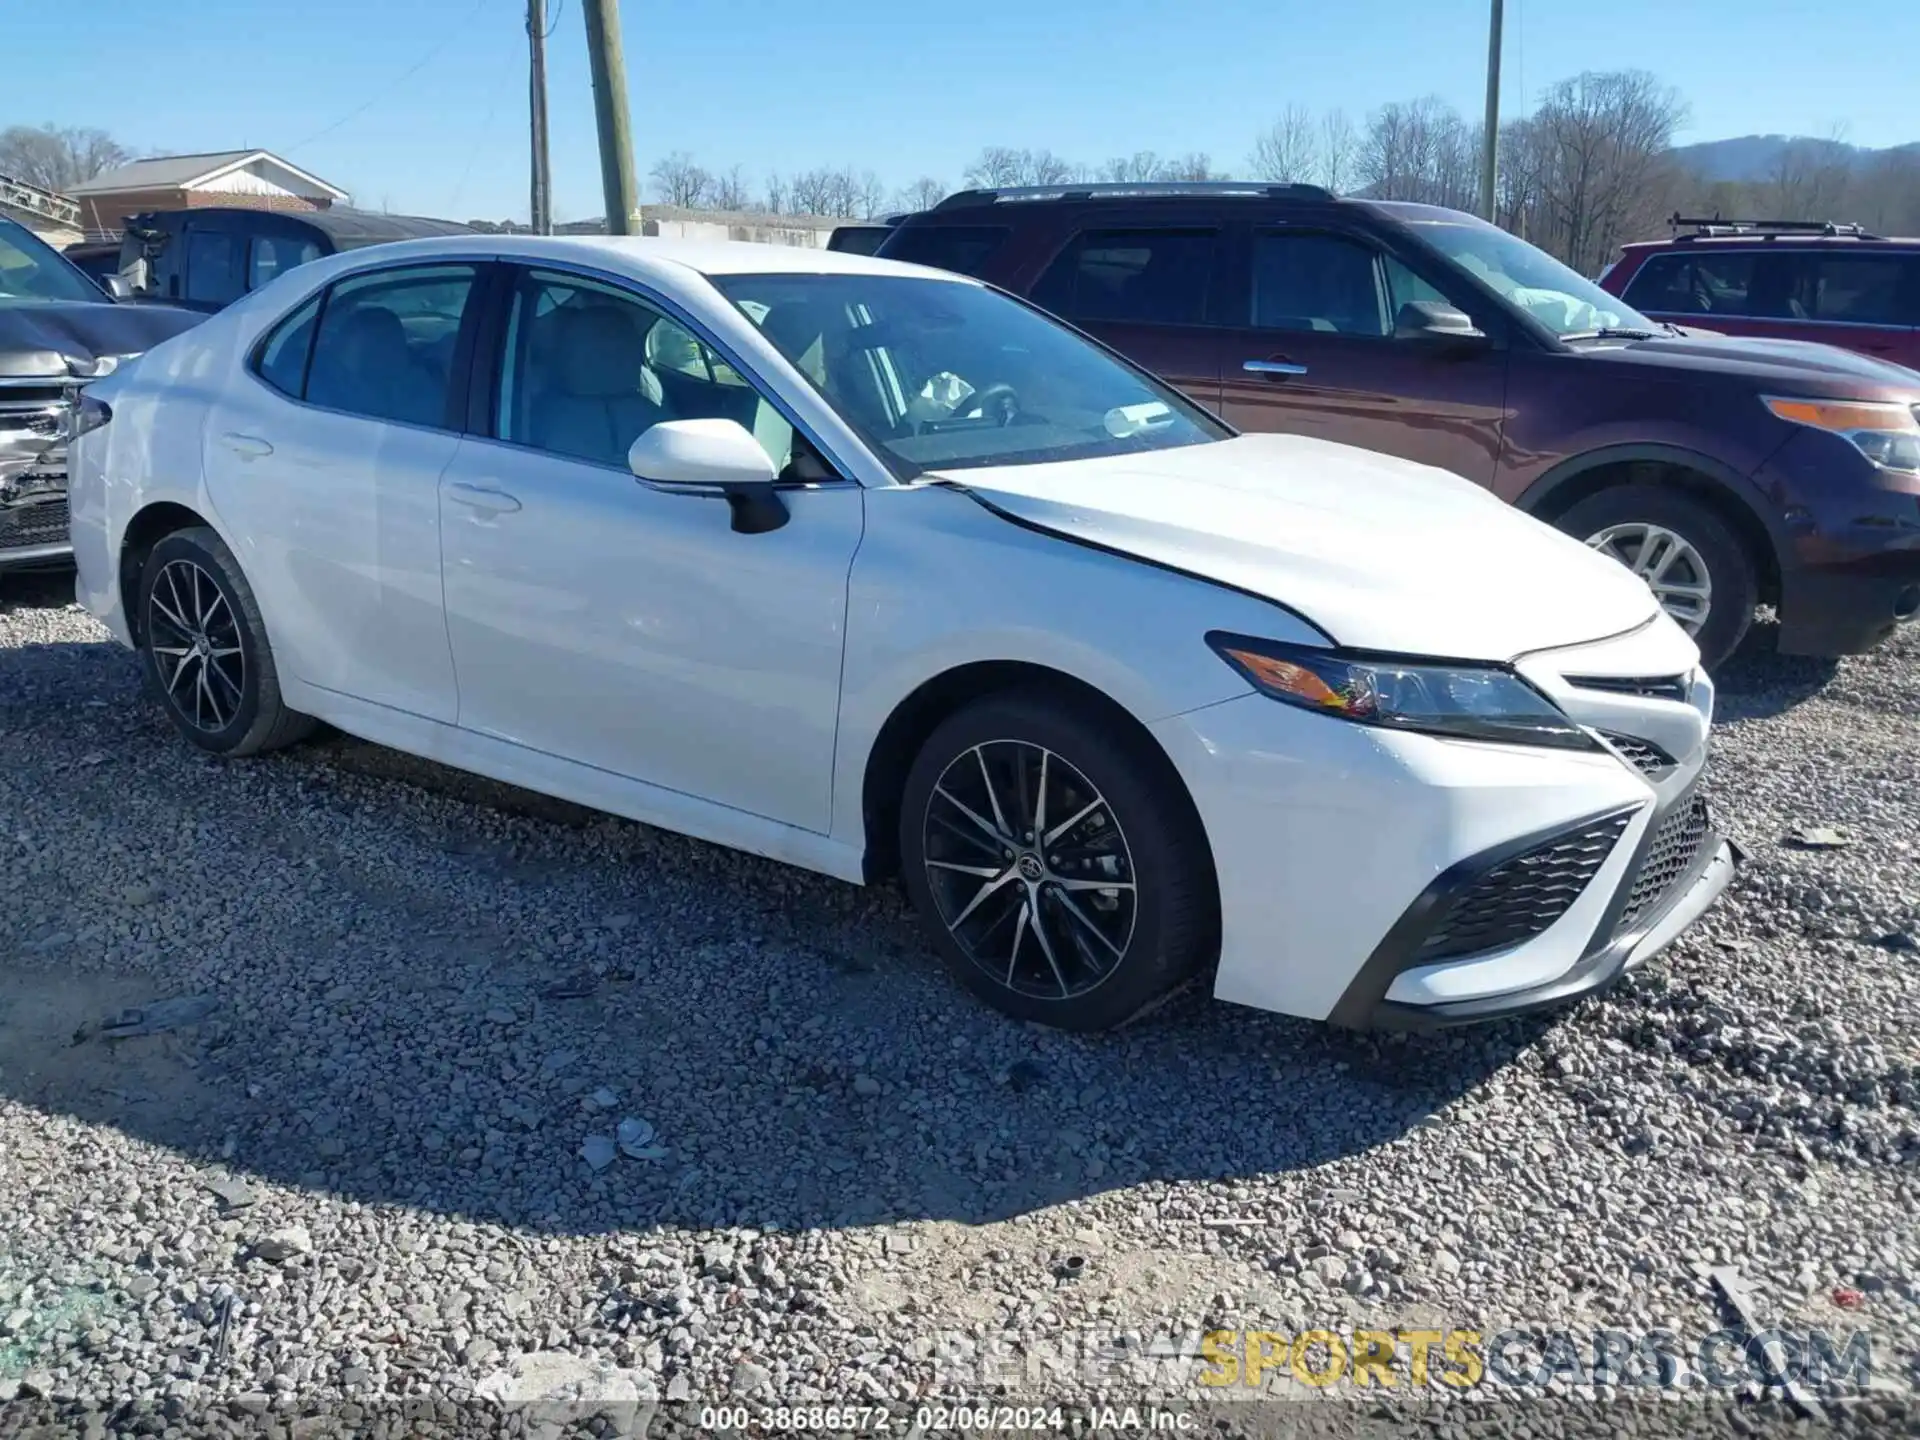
column 363, row 1173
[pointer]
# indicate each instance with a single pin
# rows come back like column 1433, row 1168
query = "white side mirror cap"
column 700, row 452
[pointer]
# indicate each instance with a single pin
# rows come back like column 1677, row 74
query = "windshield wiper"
column 1611, row 332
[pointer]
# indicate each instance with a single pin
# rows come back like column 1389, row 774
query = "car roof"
column 1777, row 238
column 651, row 257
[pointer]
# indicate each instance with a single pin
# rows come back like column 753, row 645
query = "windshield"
column 942, row 375
column 30, row 270
column 1532, row 279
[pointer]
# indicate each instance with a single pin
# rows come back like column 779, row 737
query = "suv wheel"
column 1694, row 564
column 206, row 649
column 1062, row 879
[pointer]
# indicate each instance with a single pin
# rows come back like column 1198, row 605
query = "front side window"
column 32, row 270
column 385, row 341
column 1317, row 282
column 1857, row 289
column 1131, row 277
column 213, row 267
column 589, row 368
column 1529, row 279
column 947, row 375
column 274, row 255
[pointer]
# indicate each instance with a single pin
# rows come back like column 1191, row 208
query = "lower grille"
column 41, row 522
column 1645, row 756
column 1675, row 846
column 1519, row 898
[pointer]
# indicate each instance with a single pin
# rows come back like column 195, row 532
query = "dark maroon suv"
column 1731, row 473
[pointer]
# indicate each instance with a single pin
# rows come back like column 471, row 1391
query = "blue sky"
column 905, row 89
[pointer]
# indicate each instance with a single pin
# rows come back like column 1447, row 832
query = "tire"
column 1730, row 570
column 224, row 696
column 1097, row 956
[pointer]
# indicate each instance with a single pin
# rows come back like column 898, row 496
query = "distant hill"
column 1754, row 157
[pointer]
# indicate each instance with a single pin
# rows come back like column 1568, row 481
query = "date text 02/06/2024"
column 933, row 1419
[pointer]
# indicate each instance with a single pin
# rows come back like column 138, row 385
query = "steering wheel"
column 996, row 400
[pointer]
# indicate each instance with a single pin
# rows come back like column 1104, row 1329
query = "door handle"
column 482, row 498
column 1281, row 368
column 247, row 447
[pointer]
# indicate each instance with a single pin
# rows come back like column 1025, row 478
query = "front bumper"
column 1334, row 844
column 1615, row 948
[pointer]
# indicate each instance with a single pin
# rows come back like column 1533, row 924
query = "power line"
column 453, row 33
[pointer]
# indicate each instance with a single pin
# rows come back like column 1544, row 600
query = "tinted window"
column 385, row 343
column 1702, row 283
column 1317, row 282
column 30, row 269
column 1149, row 277
column 282, row 359
column 213, row 267
column 964, row 249
column 590, row 368
column 275, row 254
column 1855, row 289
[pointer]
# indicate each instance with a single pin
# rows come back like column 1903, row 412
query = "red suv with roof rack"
column 1728, row 473
column 1781, row 280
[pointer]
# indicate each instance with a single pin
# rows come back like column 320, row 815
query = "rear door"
column 1316, row 350
column 1150, row 290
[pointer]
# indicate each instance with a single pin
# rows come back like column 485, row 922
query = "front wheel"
column 1694, row 564
column 1060, row 870
column 206, row 649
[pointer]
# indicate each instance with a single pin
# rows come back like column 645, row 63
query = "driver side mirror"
column 707, row 457
column 119, row 287
column 1434, row 320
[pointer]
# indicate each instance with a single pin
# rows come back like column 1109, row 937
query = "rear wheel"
column 1061, row 873
column 206, row 649
column 1697, row 568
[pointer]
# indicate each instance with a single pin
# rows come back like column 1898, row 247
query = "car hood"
column 1378, row 553
column 40, row 338
column 1822, row 370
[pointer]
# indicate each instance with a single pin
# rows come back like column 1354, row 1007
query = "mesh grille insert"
column 1676, row 844
column 1645, row 756
column 1519, row 898
column 43, row 522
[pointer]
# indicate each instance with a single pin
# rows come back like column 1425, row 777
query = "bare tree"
column 778, row 195
column 1338, row 146
column 729, row 191
column 999, row 166
column 1194, row 165
column 1604, row 139
column 842, row 192
column 1122, row 169
column 868, row 194
column 1288, row 149
column 922, row 194
column 678, row 181
column 58, row 159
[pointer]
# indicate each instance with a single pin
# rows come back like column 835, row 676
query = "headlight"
column 1886, row 432
column 1468, row 702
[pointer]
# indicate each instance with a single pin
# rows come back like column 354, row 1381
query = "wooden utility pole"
column 1490, row 141
column 609, row 69
column 542, row 194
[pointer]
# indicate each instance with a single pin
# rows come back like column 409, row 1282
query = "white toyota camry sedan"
column 878, row 571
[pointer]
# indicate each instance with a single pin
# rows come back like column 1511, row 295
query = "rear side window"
column 213, row 267
column 384, row 348
column 1714, row 283
column 963, row 249
column 282, row 361
column 274, row 255
column 1138, row 277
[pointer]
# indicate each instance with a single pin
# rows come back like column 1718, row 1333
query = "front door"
column 1321, row 349
column 599, row 619
column 324, row 465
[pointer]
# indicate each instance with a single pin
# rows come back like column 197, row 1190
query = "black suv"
column 1729, row 473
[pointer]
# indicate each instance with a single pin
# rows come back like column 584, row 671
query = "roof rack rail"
column 1705, row 227
column 1123, row 189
